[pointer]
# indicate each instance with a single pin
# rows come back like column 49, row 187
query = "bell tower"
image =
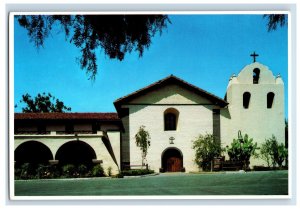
column 256, row 105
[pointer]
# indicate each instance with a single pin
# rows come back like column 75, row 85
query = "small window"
column 69, row 128
column 246, row 99
column 256, row 73
column 171, row 119
column 270, row 99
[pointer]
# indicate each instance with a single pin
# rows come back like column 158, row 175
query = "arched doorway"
column 32, row 152
column 172, row 160
column 76, row 153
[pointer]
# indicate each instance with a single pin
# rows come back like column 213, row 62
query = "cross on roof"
column 254, row 56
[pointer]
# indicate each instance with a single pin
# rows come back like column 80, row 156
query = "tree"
column 206, row 149
column 115, row 34
column 274, row 20
column 42, row 103
column 142, row 140
column 275, row 152
column 265, row 152
column 242, row 149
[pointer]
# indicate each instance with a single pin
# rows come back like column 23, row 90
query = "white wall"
column 55, row 142
column 257, row 121
column 194, row 119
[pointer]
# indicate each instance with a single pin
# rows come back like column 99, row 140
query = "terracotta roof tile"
column 67, row 116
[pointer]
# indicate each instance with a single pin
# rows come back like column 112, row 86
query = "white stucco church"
column 173, row 111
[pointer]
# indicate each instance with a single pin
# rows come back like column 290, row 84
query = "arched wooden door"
column 174, row 164
column 172, row 160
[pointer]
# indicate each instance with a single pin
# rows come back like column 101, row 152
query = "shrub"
column 207, row 148
column 282, row 154
column 136, row 172
column 82, row 170
column 27, row 171
column 265, row 152
column 242, row 150
column 274, row 153
column 119, row 175
column 69, row 170
column 98, row 171
column 43, row 171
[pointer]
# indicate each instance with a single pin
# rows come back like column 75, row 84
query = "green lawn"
column 252, row 183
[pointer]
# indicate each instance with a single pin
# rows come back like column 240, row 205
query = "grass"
column 252, row 183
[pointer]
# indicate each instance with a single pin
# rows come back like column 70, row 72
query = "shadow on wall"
column 225, row 113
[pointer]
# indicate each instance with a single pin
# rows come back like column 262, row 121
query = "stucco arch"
column 32, row 152
column 75, row 152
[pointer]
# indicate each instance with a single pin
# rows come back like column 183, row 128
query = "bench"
column 232, row 166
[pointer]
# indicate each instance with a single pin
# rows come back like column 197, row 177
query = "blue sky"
column 204, row 50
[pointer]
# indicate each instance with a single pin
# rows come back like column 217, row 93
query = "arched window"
column 246, row 99
column 171, row 119
column 270, row 99
column 256, row 72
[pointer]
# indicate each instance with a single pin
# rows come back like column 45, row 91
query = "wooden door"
column 174, row 164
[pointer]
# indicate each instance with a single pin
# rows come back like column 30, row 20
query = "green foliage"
column 137, row 172
column 242, row 149
column 282, row 154
column 47, row 171
column 69, row 170
column 265, row 152
column 41, row 171
column 206, row 148
column 274, row 20
column 42, row 103
column 25, row 171
column 275, row 152
column 115, row 34
column 98, row 171
column 82, row 170
column 142, row 140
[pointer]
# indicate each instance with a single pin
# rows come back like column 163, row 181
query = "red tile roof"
column 67, row 116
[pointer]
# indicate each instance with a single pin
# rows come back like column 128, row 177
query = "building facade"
column 174, row 113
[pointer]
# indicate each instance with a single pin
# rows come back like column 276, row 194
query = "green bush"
column 136, row 172
column 33, row 171
column 69, row 170
column 82, row 170
column 26, row 171
column 273, row 152
column 242, row 150
column 206, row 149
column 43, row 171
column 98, row 171
column 119, row 175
